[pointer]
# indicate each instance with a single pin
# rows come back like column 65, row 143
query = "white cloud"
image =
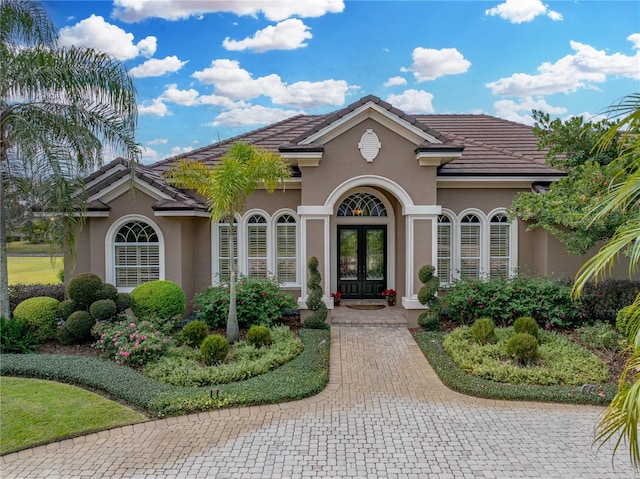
column 221, row 101
column 94, row 32
column 156, row 67
column 158, row 141
column 179, row 150
column 521, row 111
column 572, row 72
column 235, row 83
column 287, row 35
column 149, row 155
column 254, row 115
column 137, row 10
column 429, row 64
column 395, row 81
column 181, row 97
column 412, row 101
column 156, row 108
column 635, row 39
column 520, row 11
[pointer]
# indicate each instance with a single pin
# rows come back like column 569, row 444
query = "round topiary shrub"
column 214, row 349
column 429, row 320
column 107, row 291
column 526, row 325
column 123, row 302
column 103, row 310
column 159, row 299
column 79, row 325
column 194, row 333
column 483, row 331
column 66, row 307
column 84, row 289
column 426, row 273
column 259, row 336
column 41, row 314
column 65, row 337
column 523, row 347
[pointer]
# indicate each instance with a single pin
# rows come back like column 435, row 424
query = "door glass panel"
column 374, row 258
column 348, row 254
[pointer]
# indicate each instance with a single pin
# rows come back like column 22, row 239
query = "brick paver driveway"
column 384, row 414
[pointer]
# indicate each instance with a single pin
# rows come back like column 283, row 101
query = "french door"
column 362, row 261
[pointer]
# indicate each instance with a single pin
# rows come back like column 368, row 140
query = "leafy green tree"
column 226, row 187
column 563, row 209
column 622, row 198
column 60, row 108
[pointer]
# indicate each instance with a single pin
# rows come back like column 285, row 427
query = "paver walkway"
column 384, row 414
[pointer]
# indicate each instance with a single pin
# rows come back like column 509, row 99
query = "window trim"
column 274, row 244
column 245, row 230
column 215, row 249
column 110, row 237
column 452, row 245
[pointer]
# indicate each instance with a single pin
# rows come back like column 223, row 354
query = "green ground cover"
column 34, row 269
column 37, row 412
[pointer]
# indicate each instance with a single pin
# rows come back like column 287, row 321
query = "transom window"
column 362, row 204
column 136, row 254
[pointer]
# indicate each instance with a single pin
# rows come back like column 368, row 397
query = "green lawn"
column 33, row 269
column 20, row 247
column 37, row 412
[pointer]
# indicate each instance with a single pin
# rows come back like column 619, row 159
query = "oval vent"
column 369, row 145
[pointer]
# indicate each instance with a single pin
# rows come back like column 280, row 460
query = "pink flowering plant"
column 131, row 342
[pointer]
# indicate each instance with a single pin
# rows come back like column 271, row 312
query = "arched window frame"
column 462, row 236
column 220, row 232
column 512, row 231
column 110, row 247
column 276, row 258
column 446, row 240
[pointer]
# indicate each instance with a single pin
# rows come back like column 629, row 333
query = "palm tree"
column 226, row 187
column 622, row 415
column 59, row 110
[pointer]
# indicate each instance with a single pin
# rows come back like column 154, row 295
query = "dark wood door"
column 362, row 261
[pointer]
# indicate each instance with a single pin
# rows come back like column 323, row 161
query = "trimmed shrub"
column 259, row 336
column 602, row 301
column 66, row 307
column 103, row 310
column 429, row 320
column 523, row 347
column 526, row 325
column 19, row 292
column 16, row 337
column 107, row 291
column 123, row 302
column 194, row 333
column 214, row 349
column 84, row 289
column 158, row 299
column 65, row 337
column 316, row 321
column 317, row 318
column 41, row 314
column 79, row 325
column 483, row 331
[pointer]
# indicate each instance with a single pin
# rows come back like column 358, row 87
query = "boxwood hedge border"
column 453, row 377
column 302, row 377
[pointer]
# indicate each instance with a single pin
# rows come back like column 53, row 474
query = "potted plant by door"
column 390, row 295
column 337, row 296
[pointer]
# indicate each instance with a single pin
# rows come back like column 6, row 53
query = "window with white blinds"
column 136, row 255
column 257, row 246
column 224, row 251
column 499, row 246
column 444, row 249
column 286, row 249
column 470, row 247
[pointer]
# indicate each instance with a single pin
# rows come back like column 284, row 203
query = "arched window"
column 224, row 250
column 136, row 254
column 286, row 249
column 362, row 204
column 257, row 246
column 499, row 246
column 470, row 247
column 444, row 249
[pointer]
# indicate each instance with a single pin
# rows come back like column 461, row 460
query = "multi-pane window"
column 257, row 246
column 136, row 255
column 224, row 251
column 499, row 241
column 362, row 204
column 286, row 249
column 444, row 249
column 470, row 247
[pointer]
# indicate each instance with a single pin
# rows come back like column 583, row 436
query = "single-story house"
column 375, row 194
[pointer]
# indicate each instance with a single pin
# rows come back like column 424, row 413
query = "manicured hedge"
column 304, row 376
column 456, row 379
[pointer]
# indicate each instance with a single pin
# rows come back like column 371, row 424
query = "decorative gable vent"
column 369, row 145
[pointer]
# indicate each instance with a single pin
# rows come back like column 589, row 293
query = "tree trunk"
column 4, row 270
column 233, row 330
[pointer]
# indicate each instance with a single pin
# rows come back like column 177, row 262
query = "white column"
column 312, row 214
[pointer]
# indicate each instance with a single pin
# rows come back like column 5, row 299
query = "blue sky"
column 212, row 69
